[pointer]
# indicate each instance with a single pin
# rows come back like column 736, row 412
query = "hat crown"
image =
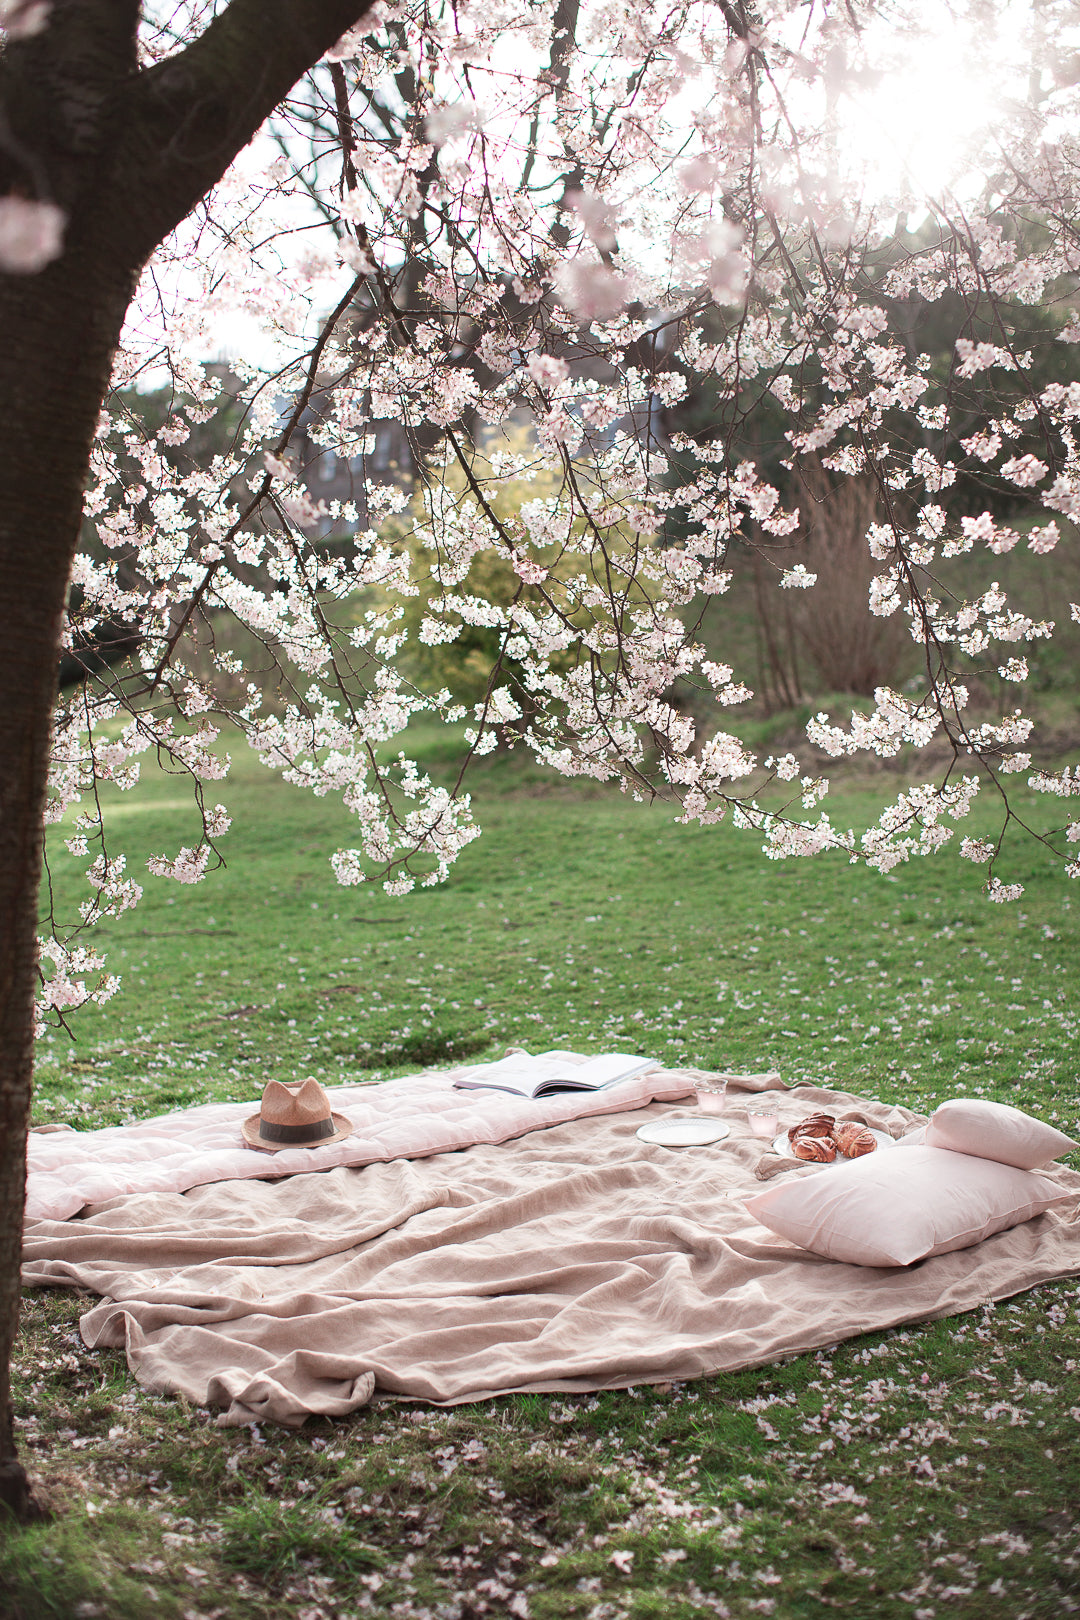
column 280, row 1106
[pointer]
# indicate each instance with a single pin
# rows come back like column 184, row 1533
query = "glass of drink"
column 763, row 1121
column 711, row 1095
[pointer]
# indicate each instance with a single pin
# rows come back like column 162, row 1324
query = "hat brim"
column 250, row 1131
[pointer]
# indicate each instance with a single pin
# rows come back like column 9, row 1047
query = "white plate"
column 782, row 1145
column 684, row 1132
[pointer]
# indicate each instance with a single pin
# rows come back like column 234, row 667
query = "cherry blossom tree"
column 561, row 219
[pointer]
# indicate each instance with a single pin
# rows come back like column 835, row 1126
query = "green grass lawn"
column 919, row 1473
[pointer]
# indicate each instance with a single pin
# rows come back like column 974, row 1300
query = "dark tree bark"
column 127, row 155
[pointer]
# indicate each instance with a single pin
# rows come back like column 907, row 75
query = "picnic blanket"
column 572, row 1258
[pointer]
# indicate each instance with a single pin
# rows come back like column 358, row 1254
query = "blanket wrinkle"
column 153, row 1224
column 570, row 1259
column 778, row 1164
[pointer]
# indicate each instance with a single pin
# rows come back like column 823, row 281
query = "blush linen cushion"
column 891, row 1208
column 992, row 1130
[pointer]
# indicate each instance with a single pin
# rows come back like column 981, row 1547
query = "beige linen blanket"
column 573, row 1258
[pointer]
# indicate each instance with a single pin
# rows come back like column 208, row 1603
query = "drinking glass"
column 711, row 1096
column 763, row 1121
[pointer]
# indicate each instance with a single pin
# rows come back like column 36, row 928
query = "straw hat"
column 297, row 1116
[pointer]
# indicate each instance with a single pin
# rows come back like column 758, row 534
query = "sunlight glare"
column 917, row 131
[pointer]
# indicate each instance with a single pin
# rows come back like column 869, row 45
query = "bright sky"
column 916, row 128
column 922, row 127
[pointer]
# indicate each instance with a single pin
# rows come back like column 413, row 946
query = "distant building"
column 328, row 476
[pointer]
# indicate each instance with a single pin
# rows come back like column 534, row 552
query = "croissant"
column 818, row 1149
column 853, row 1139
column 814, row 1125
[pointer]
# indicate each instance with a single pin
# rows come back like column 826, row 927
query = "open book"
column 551, row 1072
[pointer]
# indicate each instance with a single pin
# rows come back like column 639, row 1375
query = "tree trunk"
column 126, row 155
column 61, row 328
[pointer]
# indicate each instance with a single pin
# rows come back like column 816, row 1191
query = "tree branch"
column 186, row 119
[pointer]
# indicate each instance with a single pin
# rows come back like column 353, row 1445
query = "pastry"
column 815, row 1125
column 816, row 1149
column 853, row 1139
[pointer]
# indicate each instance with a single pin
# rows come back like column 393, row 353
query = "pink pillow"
column 993, row 1130
column 891, row 1208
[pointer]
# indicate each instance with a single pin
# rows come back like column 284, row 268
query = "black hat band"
column 316, row 1132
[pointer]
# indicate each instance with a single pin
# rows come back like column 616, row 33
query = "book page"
column 609, row 1067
